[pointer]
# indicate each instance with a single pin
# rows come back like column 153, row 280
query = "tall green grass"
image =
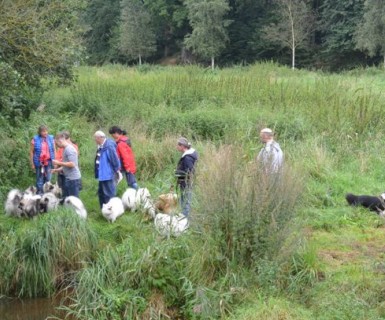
column 45, row 254
column 268, row 241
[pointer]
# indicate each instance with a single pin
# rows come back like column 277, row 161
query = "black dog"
column 376, row 204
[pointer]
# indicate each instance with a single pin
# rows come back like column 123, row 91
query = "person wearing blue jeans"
column 107, row 166
column 125, row 155
column 69, row 166
column 42, row 153
column 184, row 173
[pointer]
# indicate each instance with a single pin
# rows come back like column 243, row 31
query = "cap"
column 266, row 130
column 184, row 142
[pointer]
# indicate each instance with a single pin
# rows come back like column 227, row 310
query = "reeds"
column 44, row 255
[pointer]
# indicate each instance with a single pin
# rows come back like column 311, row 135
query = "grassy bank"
column 255, row 249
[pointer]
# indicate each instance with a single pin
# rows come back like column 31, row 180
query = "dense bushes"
column 198, row 124
column 17, row 99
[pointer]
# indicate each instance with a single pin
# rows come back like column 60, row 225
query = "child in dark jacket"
column 184, row 172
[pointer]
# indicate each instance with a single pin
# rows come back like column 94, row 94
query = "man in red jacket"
column 125, row 154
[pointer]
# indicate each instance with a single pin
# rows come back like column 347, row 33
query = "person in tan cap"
column 271, row 155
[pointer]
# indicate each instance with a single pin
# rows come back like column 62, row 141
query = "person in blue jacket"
column 107, row 167
column 184, row 173
column 42, row 152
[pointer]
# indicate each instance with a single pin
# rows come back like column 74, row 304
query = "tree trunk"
column 212, row 63
column 140, row 59
column 292, row 38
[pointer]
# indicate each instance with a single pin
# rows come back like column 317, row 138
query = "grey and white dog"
column 30, row 205
column 12, row 203
column 48, row 202
column 53, row 188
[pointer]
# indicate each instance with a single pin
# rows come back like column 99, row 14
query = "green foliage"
column 199, row 124
column 371, row 31
column 17, row 100
column 295, row 23
column 137, row 39
column 140, row 271
column 246, row 212
column 209, row 34
column 39, row 40
column 101, row 18
column 241, row 257
column 339, row 23
column 41, row 255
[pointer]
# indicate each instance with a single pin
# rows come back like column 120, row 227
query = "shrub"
column 199, row 124
column 17, row 100
column 247, row 213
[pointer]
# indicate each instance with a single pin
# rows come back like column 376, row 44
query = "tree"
column 370, row 34
column 101, row 18
column 39, row 40
column 170, row 23
column 337, row 25
column 209, row 34
column 137, row 39
column 294, row 27
column 245, row 44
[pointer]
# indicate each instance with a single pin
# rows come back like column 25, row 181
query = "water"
column 31, row 309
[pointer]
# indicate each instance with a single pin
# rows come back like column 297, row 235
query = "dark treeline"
column 321, row 34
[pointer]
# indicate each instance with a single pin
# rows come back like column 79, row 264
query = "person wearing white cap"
column 107, row 167
column 271, row 155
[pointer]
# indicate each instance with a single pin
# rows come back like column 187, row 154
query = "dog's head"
column 31, row 190
column 382, row 196
column 30, row 206
column 53, row 188
column 167, row 203
column 351, row 198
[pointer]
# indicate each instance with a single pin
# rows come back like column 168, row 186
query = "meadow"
column 256, row 249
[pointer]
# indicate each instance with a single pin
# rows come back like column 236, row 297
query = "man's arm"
column 113, row 158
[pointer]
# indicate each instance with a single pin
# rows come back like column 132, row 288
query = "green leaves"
column 137, row 39
column 209, row 35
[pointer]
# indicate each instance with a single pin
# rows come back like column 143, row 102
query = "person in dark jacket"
column 185, row 171
column 107, row 167
column 42, row 152
column 125, row 154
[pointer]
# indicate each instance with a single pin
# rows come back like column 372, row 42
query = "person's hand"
column 118, row 177
column 55, row 162
column 54, row 170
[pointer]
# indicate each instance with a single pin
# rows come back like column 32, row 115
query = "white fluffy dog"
column 138, row 199
column 129, row 199
column 54, row 188
column 12, row 203
column 76, row 204
column 30, row 205
column 170, row 225
column 113, row 209
column 30, row 192
column 48, row 202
